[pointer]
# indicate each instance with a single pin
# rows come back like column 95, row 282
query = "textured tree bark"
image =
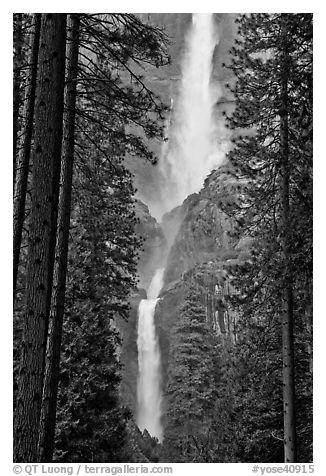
column 25, row 152
column 46, row 170
column 18, row 41
column 309, row 332
column 52, row 360
column 309, row 321
column 287, row 311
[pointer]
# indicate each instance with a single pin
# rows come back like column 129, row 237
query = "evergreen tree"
column 23, row 36
column 22, row 170
column 257, row 365
column 107, row 107
column 190, row 389
column 52, row 362
column 46, row 172
column 102, row 268
column 18, row 59
column 271, row 156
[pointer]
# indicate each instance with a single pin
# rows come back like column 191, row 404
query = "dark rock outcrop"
column 204, row 249
column 204, row 233
column 154, row 246
column 129, row 353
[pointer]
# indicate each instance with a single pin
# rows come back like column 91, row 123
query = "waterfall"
column 149, row 361
column 192, row 151
column 195, row 144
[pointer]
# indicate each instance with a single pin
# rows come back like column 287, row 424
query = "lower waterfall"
column 149, row 392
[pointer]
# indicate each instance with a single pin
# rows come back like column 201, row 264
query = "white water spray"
column 149, row 362
column 195, row 147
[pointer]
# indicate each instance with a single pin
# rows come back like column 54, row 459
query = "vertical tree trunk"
column 52, row 360
column 287, row 312
column 46, row 170
column 309, row 320
column 25, row 152
column 18, row 42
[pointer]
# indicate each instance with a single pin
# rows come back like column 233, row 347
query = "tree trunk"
column 25, row 152
column 46, row 170
column 309, row 320
column 18, row 59
column 287, row 312
column 52, row 360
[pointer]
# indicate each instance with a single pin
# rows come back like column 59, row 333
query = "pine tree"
column 102, row 271
column 287, row 321
column 112, row 90
column 45, row 184
column 22, row 170
column 270, row 159
column 18, row 40
column 52, row 362
column 190, row 388
column 257, row 406
column 107, row 106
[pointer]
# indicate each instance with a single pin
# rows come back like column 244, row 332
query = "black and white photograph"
column 162, row 241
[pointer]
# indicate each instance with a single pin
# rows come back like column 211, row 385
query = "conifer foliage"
column 92, row 106
column 190, row 390
column 272, row 160
column 91, row 424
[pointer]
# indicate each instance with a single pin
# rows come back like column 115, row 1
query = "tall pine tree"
column 45, row 186
column 270, row 159
column 190, row 388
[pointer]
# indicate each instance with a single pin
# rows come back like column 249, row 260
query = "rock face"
column 193, row 240
column 203, row 248
column 204, row 231
column 154, row 246
column 203, row 236
column 129, row 354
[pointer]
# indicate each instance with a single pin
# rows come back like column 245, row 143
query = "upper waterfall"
column 193, row 147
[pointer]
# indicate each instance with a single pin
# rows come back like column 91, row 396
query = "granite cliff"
column 193, row 238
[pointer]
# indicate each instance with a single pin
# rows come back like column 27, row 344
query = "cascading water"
column 196, row 142
column 149, row 362
column 190, row 154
